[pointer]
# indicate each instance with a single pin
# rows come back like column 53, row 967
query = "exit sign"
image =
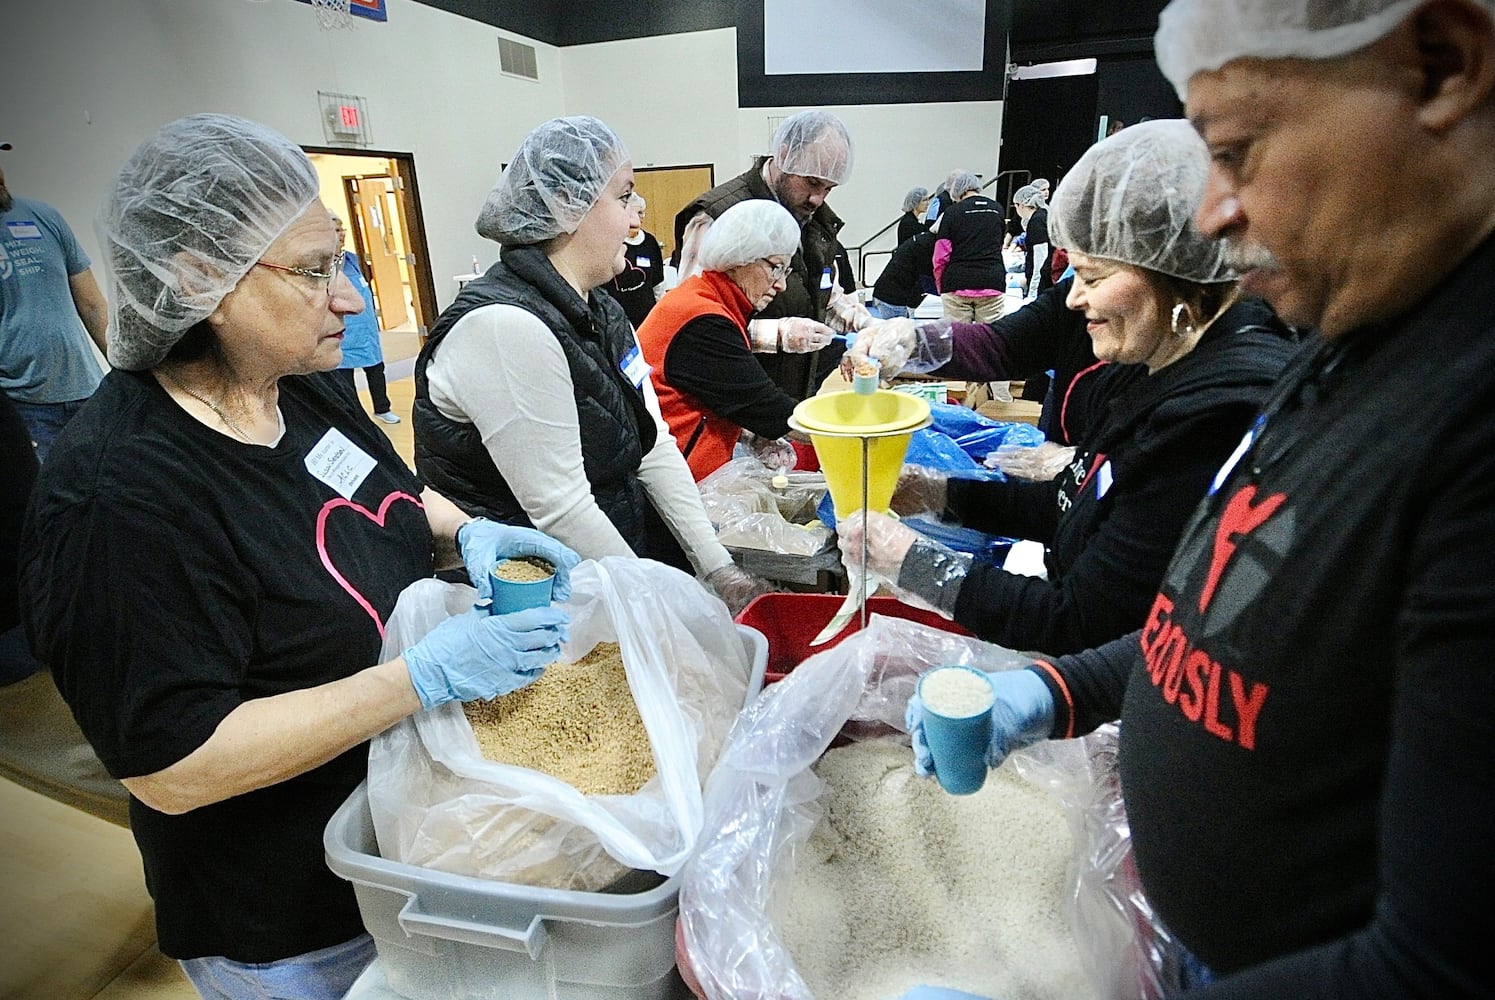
column 345, row 117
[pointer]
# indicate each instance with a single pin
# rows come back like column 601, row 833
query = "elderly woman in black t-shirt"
column 215, row 546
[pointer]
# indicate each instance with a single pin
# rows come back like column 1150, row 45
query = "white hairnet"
column 813, row 144
column 748, row 231
column 1132, row 198
column 556, row 176
column 1196, row 36
column 914, row 196
column 637, row 201
column 188, row 214
column 1029, row 196
column 964, row 183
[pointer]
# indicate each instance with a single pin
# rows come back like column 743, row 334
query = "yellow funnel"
column 837, row 423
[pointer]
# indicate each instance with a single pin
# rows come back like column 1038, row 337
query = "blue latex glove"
column 476, row 655
column 1022, row 715
column 483, row 543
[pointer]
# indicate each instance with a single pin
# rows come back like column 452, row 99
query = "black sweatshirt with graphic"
column 1308, row 713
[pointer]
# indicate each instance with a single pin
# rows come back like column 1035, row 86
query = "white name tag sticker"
column 339, row 463
column 634, row 367
column 1103, row 480
column 24, row 230
column 825, row 280
column 644, row 261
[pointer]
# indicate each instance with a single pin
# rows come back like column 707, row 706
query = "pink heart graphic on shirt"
column 378, row 519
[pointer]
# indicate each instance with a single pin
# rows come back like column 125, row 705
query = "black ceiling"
column 1041, row 29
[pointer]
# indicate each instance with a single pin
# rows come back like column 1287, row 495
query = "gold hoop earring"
column 1186, row 329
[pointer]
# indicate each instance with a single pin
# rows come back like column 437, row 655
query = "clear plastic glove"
column 846, row 313
column 1039, row 463
column 737, row 587
column 798, row 335
column 919, row 570
column 476, row 655
column 483, row 543
column 774, row 453
column 920, row 490
column 905, row 345
column 888, row 542
column 1022, row 715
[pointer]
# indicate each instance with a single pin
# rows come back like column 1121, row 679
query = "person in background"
column 1306, row 754
column 641, row 282
column 361, row 346
column 710, row 389
column 811, row 154
column 533, row 403
column 967, row 263
column 1033, row 209
column 911, row 222
column 217, row 493
column 52, row 314
column 942, row 198
column 900, row 287
column 18, row 458
column 1191, row 363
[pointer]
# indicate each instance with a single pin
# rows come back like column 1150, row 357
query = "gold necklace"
column 208, row 403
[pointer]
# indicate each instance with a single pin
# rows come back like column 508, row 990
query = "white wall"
column 673, row 99
column 100, row 77
column 97, row 78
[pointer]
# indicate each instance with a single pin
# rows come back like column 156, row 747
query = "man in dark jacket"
column 812, row 153
column 1306, row 750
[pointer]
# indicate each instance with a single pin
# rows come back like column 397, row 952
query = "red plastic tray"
column 790, row 621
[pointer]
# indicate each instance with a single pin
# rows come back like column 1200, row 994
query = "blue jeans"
column 44, row 421
column 318, row 975
column 882, row 310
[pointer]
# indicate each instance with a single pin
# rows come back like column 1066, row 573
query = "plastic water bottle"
column 475, row 268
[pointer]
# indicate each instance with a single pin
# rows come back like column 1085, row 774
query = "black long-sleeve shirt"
column 1044, row 335
column 1110, row 521
column 1308, row 713
column 709, row 360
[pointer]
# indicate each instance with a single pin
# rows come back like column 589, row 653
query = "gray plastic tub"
column 454, row 937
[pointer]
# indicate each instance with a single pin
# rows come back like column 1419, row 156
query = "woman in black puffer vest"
column 533, row 404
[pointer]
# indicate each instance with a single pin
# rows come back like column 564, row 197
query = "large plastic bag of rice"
column 439, row 803
column 807, row 881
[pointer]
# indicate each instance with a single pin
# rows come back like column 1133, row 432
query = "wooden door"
column 412, row 224
column 380, row 245
column 667, row 190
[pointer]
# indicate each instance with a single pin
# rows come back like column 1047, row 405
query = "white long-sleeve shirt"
column 502, row 370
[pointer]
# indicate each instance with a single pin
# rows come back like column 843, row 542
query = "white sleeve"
column 502, row 370
column 1040, row 261
column 673, row 491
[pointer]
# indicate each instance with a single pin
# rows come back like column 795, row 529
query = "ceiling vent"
column 517, row 59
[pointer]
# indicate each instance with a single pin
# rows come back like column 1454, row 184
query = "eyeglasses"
column 325, row 277
column 776, row 272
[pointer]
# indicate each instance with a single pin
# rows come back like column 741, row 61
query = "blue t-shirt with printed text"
column 361, row 348
column 45, row 352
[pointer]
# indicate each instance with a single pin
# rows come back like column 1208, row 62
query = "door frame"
column 710, row 168
column 412, row 220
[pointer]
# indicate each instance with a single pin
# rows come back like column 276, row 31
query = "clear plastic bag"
column 1130, row 954
column 762, row 802
column 750, row 512
column 438, row 803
